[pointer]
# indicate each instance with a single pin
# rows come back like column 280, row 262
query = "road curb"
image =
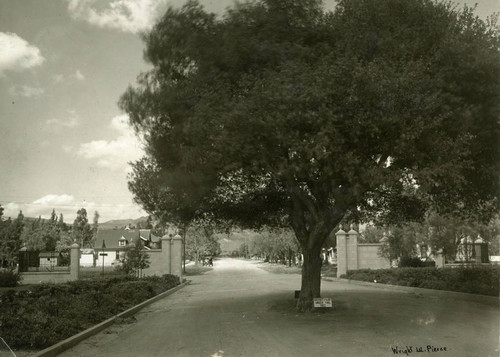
column 59, row 347
column 490, row 300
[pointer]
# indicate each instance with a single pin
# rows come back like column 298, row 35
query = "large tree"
column 281, row 113
column 82, row 231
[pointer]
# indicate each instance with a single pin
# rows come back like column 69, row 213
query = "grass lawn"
column 192, row 269
column 97, row 271
column 279, row 268
column 326, row 270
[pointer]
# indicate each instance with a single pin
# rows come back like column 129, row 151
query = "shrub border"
column 489, row 300
column 62, row 346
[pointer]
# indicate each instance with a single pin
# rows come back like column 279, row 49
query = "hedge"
column 46, row 314
column 9, row 278
column 475, row 280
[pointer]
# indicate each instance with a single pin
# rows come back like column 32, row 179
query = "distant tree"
column 64, row 242
column 371, row 234
column 82, row 231
column 446, row 233
column 280, row 113
column 135, row 259
column 149, row 222
column 60, row 223
column 402, row 241
column 41, row 236
column 53, row 217
column 10, row 239
column 95, row 226
column 491, row 233
column 201, row 241
column 274, row 245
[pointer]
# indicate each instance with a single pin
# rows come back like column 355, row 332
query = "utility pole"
column 103, row 254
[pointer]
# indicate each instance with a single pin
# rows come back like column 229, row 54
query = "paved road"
column 240, row 310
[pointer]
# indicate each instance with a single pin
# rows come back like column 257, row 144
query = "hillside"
column 120, row 223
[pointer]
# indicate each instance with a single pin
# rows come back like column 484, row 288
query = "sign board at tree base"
column 103, row 254
column 323, row 302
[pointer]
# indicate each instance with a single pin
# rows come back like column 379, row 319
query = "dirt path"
column 240, row 310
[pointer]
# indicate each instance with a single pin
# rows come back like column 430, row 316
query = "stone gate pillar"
column 341, row 252
column 176, row 256
column 352, row 249
column 165, row 253
column 74, row 262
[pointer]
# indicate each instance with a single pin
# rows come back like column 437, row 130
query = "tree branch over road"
column 380, row 108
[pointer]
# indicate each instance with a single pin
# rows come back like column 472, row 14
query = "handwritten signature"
column 410, row 349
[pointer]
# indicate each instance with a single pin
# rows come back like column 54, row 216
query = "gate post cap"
column 352, row 231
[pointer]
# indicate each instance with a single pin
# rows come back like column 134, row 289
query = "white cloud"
column 58, row 78
column 26, row 91
column 79, row 75
column 124, row 15
column 68, row 206
column 67, row 148
column 70, row 122
column 56, row 200
column 17, row 54
column 114, row 154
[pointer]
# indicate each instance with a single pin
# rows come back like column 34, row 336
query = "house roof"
column 112, row 237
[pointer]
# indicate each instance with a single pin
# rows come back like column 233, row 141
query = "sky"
column 64, row 143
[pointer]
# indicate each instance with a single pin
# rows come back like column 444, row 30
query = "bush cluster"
column 46, row 314
column 475, row 280
column 415, row 263
column 9, row 279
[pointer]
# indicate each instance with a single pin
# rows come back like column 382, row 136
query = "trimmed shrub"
column 410, row 262
column 46, row 314
column 9, row 278
column 416, row 263
column 475, row 280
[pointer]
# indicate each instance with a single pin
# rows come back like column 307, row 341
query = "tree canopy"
column 281, row 113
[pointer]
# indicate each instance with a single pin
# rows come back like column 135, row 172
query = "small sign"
column 323, row 302
column 297, row 294
column 103, row 254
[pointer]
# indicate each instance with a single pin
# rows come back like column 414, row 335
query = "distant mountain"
column 121, row 223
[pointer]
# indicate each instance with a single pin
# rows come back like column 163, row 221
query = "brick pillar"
column 176, row 256
column 166, row 240
column 341, row 252
column 74, row 268
column 352, row 249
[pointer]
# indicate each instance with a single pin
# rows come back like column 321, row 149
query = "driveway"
column 239, row 309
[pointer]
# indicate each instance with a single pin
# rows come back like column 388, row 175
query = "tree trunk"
column 311, row 279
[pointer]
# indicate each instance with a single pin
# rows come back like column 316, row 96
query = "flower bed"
column 46, row 314
column 475, row 280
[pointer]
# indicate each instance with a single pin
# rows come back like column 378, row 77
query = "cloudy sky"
column 64, row 144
